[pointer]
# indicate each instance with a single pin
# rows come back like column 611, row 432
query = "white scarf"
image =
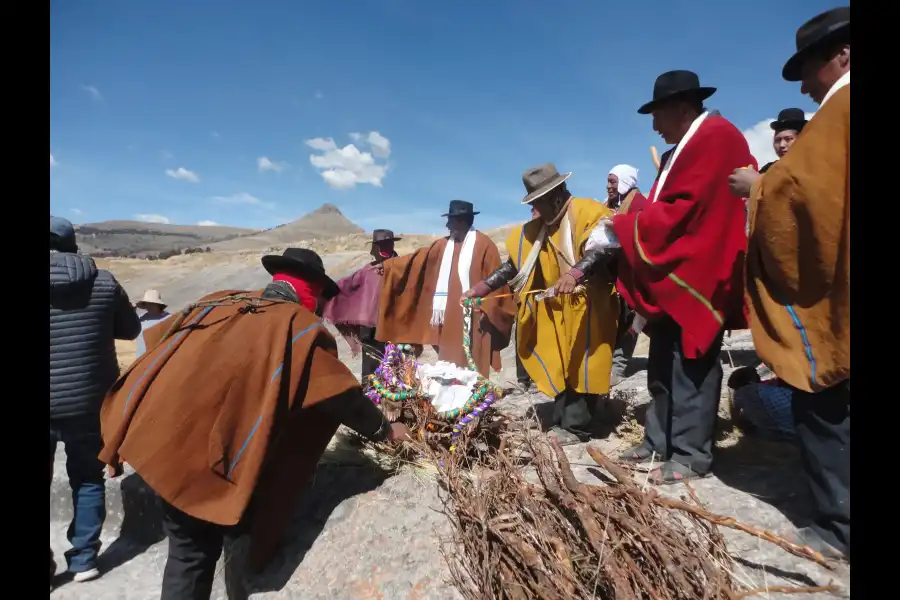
column 669, row 163
column 439, row 302
column 843, row 81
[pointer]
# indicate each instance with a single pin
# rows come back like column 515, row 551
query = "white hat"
column 151, row 297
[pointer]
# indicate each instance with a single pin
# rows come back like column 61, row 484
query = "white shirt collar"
column 844, row 80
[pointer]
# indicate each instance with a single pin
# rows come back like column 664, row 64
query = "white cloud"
column 77, row 211
column 243, row 198
column 183, row 174
column 166, row 155
column 344, row 168
column 319, row 95
column 207, row 223
column 264, row 164
column 152, row 219
column 53, row 162
column 94, row 92
column 380, row 145
column 215, row 134
column 759, row 137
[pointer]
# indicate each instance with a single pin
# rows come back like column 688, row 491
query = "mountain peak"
column 327, row 209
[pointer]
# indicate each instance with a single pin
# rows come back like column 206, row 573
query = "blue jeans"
column 83, row 443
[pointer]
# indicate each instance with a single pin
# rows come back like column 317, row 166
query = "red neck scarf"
column 307, row 292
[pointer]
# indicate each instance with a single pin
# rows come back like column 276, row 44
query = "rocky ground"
column 359, row 534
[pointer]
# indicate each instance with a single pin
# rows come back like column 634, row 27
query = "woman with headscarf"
column 623, row 196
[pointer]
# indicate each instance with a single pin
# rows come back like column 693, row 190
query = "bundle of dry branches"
column 536, row 532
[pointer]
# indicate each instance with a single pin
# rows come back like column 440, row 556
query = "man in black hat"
column 227, row 415
column 354, row 311
column 419, row 302
column 799, row 294
column 787, row 127
column 566, row 340
column 681, row 268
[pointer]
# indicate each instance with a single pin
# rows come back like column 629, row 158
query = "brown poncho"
column 404, row 314
column 798, row 260
column 225, row 410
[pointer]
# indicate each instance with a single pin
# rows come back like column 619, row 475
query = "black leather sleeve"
column 594, row 262
column 503, row 275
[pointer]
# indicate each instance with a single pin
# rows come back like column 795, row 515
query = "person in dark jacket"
column 89, row 310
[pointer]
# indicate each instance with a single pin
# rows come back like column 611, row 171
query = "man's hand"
column 470, row 293
column 113, row 471
column 741, row 181
column 566, row 284
column 399, row 433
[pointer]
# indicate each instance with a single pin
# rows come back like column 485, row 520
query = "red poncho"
column 683, row 254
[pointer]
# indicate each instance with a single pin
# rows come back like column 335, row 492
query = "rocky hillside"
column 325, row 222
column 145, row 240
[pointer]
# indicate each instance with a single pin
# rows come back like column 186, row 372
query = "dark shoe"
column 673, row 472
column 637, row 455
column 807, row 536
column 567, row 437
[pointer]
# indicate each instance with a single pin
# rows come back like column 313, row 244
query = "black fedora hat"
column 384, row 235
column 541, row 179
column 673, row 85
column 303, row 262
column 460, row 208
column 819, row 31
column 789, row 118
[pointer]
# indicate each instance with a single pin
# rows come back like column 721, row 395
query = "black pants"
column 522, row 375
column 625, row 341
column 575, row 412
column 372, row 351
column 681, row 418
column 194, row 549
column 822, row 425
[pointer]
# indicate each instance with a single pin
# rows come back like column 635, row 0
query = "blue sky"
column 222, row 111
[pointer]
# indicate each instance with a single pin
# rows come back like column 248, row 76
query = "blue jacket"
column 89, row 310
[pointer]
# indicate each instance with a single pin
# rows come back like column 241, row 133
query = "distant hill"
column 182, row 279
column 325, row 222
column 138, row 239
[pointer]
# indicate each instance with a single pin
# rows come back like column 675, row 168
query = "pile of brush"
column 533, row 531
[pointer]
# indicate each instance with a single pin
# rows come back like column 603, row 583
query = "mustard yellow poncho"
column 565, row 342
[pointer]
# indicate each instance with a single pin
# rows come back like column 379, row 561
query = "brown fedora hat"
column 540, row 180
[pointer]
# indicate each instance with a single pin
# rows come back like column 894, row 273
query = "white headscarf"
column 628, row 177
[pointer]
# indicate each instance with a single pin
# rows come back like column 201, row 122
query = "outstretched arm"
column 600, row 252
column 352, row 409
column 501, row 276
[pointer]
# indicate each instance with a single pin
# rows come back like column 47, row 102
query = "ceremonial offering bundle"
column 441, row 400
